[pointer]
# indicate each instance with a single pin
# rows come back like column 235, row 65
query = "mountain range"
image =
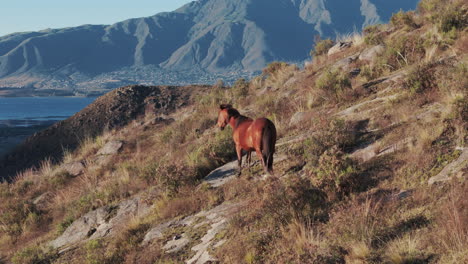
column 200, row 42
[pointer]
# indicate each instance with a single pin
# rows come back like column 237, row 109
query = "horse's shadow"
column 222, row 174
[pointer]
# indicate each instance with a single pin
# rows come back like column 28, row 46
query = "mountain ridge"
column 215, row 36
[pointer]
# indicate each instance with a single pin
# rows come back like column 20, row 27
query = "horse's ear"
column 225, row 106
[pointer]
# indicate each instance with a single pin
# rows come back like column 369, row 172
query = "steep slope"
column 370, row 165
column 215, row 36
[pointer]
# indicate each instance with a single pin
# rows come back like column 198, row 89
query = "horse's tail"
column 268, row 144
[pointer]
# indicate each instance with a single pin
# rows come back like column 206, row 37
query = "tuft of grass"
column 321, row 47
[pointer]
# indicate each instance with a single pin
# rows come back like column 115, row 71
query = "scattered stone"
column 111, row 148
column 340, row 46
column 458, row 168
column 371, row 54
column 299, row 117
column 74, row 168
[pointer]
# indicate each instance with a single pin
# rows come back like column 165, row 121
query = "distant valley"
column 201, row 42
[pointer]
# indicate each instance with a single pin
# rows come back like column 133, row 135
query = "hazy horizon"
column 31, row 15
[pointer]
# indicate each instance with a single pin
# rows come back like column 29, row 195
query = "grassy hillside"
column 362, row 133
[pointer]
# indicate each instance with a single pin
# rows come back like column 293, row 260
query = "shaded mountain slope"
column 114, row 110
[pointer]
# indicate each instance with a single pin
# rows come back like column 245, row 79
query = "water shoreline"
column 11, row 136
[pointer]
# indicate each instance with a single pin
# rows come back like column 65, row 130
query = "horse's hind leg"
column 270, row 163
column 262, row 159
column 239, row 158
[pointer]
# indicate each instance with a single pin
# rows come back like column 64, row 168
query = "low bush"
column 335, row 173
column 402, row 51
column 404, row 19
column 322, row 47
column 421, row 79
column 372, row 35
column 34, row 255
column 332, row 86
column 240, row 88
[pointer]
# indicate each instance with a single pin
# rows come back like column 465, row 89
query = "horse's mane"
column 241, row 119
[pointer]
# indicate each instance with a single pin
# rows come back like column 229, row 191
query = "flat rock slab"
column 111, row 148
column 228, row 171
column 101, row 222
column 457, row 168
column 223, row 174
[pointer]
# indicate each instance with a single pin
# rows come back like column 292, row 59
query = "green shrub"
column 94, row 252
column 453, row 18
column 322, row 47
column 334, row 85
column 372, row 35
column 34, row 255
column 402, row 51
column 421, row 79
column 240, row 88
column 371, row 72
column 404, row 19
column 218, row 150
column 335, row 132
column 280, row 202
column 274, row 67
column 14, row 215
column 59, row 179
column 335, row 172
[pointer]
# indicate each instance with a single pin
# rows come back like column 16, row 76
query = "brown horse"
column 250, row 135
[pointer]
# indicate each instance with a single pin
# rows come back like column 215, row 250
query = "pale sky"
column 33, row 15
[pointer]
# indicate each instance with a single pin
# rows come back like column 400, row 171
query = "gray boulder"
column 74, row 168
column 101, row 222
column 111, row 148
column 340, row 46
column 371, row 54
column 458, row 168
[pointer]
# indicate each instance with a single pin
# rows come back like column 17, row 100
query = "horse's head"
column 223, row 115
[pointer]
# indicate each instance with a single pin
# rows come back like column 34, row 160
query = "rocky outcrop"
column 458, row 168
column 216, row 219
column 101, row 222
column 370, row 54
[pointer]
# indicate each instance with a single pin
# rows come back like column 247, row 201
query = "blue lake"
column 29, row 111
column 22, row 117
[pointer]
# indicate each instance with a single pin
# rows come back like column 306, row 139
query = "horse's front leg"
column 249, row 159
column 239, row 158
